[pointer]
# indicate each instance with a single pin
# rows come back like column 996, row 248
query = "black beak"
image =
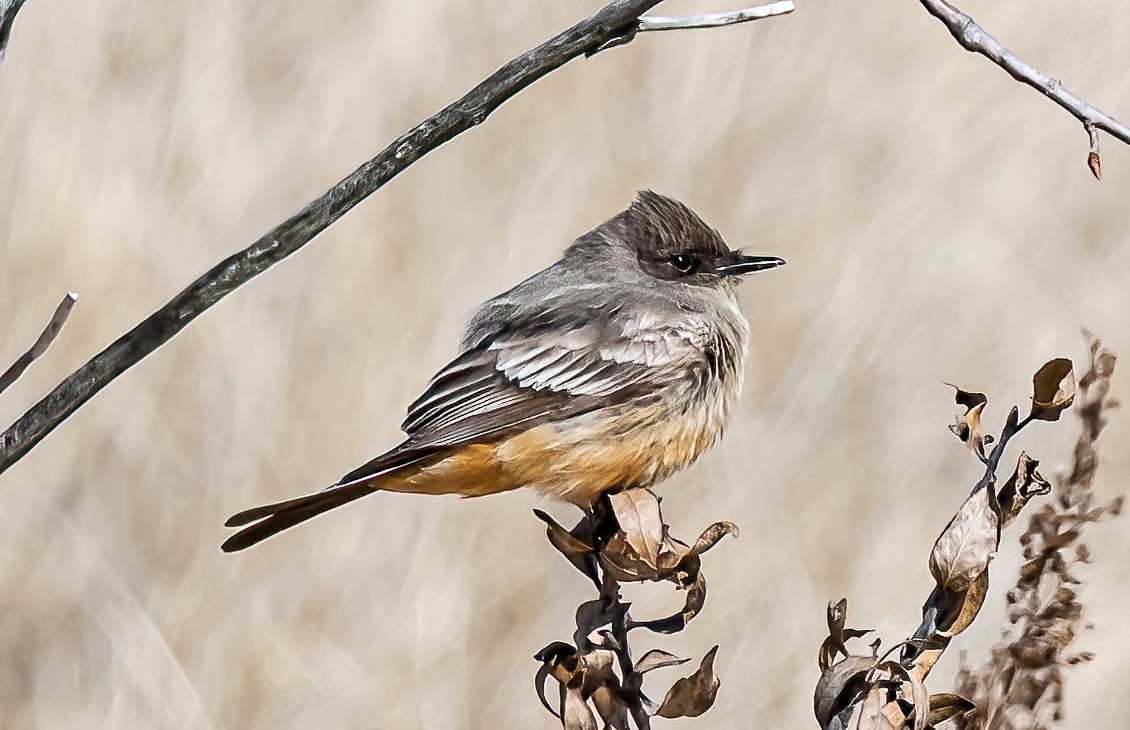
column 739, row 264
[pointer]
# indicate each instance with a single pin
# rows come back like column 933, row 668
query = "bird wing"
column 552, row 365
column 541, row 371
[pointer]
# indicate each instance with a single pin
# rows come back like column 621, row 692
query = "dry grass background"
column 938, row 219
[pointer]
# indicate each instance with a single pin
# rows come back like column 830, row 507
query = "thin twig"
column 614, row 24
column 50, row 332
column 715, row 20
column 975, row 39
column 8, row 10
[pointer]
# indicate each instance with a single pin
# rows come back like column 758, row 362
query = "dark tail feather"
column 274, row 518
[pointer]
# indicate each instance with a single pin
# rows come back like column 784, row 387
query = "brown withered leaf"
column 691, row 696
column 560, row 661
column 968, row 426
column 696, row 598
column 841, row 685
column 637, row 513
column 591, row 615
column 611, row 707
column 971, row 606
column 957, row 608
column 869, row 714
column 1024, row 484
column 911, row 687
column 946, row 706
column 1095, row 164
column 835, row 645
column 711, row 535
column 622, row 562
column 968, row 399
column 561, row 538
column 577, row 713
column 963, row 550
column 1053, row 389
column 576, row 550
column 657, row 659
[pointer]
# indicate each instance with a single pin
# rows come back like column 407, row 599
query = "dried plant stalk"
column 1021, row 686
column 1023, row 681
column 624, row 539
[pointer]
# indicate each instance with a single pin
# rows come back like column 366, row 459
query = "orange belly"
column 576, row 460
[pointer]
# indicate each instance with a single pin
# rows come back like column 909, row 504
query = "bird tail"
column 263, row 522
column 259, row 523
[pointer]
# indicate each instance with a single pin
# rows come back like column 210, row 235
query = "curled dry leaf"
column 913, row 691
column 835, row 645
column 611, row 707
column 869, row 714
column 591, row 615
column 577, row 713
column 1024, row 484
column 964, row 549
column 624, row 538
column 576, row 550
column 637, row 513
column 1053, row 389
column 696, row 598
column 968, row 426
column 946, row 706
column 691, row 696
column 841, row 685
column 711, row 535
column 657, row 659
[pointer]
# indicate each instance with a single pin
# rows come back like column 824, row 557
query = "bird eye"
column 682, row 263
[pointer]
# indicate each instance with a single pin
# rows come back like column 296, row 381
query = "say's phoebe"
column 613, row 368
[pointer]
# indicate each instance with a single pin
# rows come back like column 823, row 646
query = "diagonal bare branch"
column 975, row 39
column 50, row 332
column 614, row 24
column 715, row 20
column 8, row 10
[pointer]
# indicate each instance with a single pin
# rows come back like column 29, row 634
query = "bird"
column 613, row 368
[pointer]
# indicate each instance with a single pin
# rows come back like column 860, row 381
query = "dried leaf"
column 696, row 598
column 968, row 399
column 711, row 535
column 869, row 714
column 840, row 686
column 577, row 713
column 964, row 548
column 691, row 696
column 968, row 426
column 578, row 552
column 622, row 562
column 591, row 615
column 611, row 707
column 657, row 659
column 946, row 706
column 1024, row 484
column 1053, row 389
column 911, row 686
column 539, row 687
column 972, row 600
column 1094, row 162
column 637, row 513
column 835, row 645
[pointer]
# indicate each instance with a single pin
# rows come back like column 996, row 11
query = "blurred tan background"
column 938, row 219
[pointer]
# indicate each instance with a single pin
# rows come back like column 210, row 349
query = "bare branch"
column 715, row 20
column 8, row 10
column 50, row 332
column 614, row 24
column 973, row 38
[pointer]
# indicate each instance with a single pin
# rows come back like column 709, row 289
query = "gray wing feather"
column 516, row 378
